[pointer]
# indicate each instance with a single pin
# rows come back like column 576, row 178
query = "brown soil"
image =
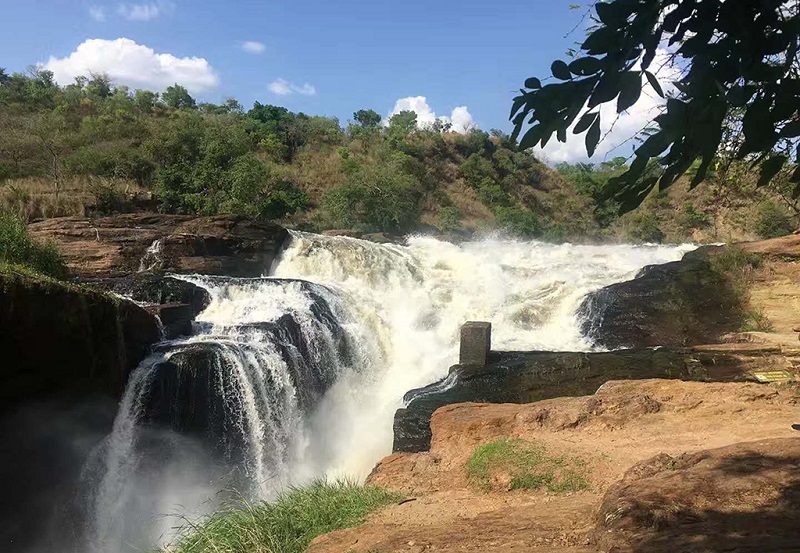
column 624, row 433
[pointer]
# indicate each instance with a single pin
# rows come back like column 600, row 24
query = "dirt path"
column 625, row 423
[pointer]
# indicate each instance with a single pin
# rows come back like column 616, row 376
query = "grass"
column 288, row 524
column 757, row 321
column 528, row 465
column 18, row 248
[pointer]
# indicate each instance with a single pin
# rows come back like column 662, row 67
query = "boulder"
column 60, row 338
column 681, row 303
column 743, row 497
column 130, row 243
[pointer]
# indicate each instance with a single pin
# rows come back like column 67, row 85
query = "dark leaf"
column 585, row 122
column 561, row 70
column 602, row 41
column 770, row 168
column 613, row 14
column 561, row 134
column 593, row 137
column 630, row 89
column 791, row 129
column 586, row 66
column 739, row 95
column 654, row 83
column 533, row 82
column 531, row 137
column 606, row 90
column 519, row 101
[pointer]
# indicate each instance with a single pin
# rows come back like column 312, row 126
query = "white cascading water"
column 374, row 322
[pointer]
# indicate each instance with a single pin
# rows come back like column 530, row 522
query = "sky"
column 463, row 60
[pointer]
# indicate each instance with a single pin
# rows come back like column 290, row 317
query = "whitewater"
column 305, row 367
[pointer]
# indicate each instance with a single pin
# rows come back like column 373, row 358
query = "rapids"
column 297, row 375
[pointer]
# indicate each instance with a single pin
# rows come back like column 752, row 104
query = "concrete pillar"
column 476, row 341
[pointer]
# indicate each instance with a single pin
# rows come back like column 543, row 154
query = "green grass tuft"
column 528, row 465
column 286, row 525
column 18, row 248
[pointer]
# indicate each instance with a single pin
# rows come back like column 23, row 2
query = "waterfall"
column 297, row 375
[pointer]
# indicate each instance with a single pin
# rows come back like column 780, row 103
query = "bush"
column 287, row 525
column 375, row 199
column 528, row 466
column 449, row 219
column 693, row 218
column 773, row 221
column 518, row 221
column 643, row 226
column 18, row 248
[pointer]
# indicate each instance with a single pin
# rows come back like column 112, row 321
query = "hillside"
column 92, row 149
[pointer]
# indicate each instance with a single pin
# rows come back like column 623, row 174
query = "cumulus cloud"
column 282, row 87
column 132, row 64
column 144, row 11
column 253, row 47
column 460, row 117
column 617, row 131
column 98, row 13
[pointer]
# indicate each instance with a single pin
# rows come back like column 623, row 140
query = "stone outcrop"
column 743, row 497
column 534, row 376
column 124, row 244
column 60, row 338
column 681, row 303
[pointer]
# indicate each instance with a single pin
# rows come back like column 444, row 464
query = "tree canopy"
column 735, row 91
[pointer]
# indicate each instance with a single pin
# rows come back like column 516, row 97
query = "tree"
column 402, row 124
column 736, row 89
column 99, row 86
column 177, row 97
column 367, row 118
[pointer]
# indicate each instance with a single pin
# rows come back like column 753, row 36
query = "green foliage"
column 375, row 199
column 519, row 221
column 177, row 97
column 738, row 95
column 592, row 181
column 528, row 466
column 757, row 321
column 402, row 124
column 18, row 248
column 773, row 221
column 643, row 226
column 692, row 218
column 449, row 219
column 288, row 524
column 367, row 118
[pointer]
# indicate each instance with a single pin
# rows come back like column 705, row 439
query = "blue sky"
column 320, row 57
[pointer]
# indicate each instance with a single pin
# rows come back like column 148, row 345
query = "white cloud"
column 132, row 64
column 145, row 11
column 282, row 87
column 253, row 47
column 460, row 117
column 98, row 13
column 617, row 132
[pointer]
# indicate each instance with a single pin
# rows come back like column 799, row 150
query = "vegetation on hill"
column 92, row 148
column 288, row 524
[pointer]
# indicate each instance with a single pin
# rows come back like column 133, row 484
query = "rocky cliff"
column 124, row 244
column 61, row 338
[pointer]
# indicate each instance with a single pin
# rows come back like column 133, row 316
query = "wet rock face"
column 118, row 245
column 534, row 376
column 677, row 304
column 61, row 339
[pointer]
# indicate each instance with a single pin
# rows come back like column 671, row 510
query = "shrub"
column 773, row 221
column 449, row 219
column 18, row 248
column 518, row 221
column 692, row 218
column 643, row 226
column 528, row 466
column 375, row 199
column 289, row 523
